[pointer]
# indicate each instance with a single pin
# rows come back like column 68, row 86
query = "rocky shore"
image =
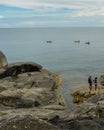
column 31, row 99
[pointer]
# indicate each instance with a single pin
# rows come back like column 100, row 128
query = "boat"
column 49, row 41
column 77, row 41
column 88, row 43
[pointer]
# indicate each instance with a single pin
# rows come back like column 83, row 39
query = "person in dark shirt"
column 90, row 82
column 95, row 83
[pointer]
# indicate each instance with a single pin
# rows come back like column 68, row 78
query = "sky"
column 51, row 13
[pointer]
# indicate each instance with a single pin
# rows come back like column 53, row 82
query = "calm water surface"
column 74, row 61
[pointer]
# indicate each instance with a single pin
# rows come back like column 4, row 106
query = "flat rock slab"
column 82, row 94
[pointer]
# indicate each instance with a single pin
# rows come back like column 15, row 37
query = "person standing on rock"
column 90, row 82
column 95, row 83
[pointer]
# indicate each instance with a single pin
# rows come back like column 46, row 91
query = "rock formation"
column 89, row 114
column 26, row 84
column 82, row 94
column 31, row 99
column 3, row 60
column 101, row 80
column 27, row 94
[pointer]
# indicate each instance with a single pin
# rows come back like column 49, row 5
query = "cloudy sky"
column 51, row 13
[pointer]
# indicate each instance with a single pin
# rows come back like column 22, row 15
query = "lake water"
column 74, row 61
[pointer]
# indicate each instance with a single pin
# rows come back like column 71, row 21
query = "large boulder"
column 30, row 97
column 3, row 60
column 26, row 84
